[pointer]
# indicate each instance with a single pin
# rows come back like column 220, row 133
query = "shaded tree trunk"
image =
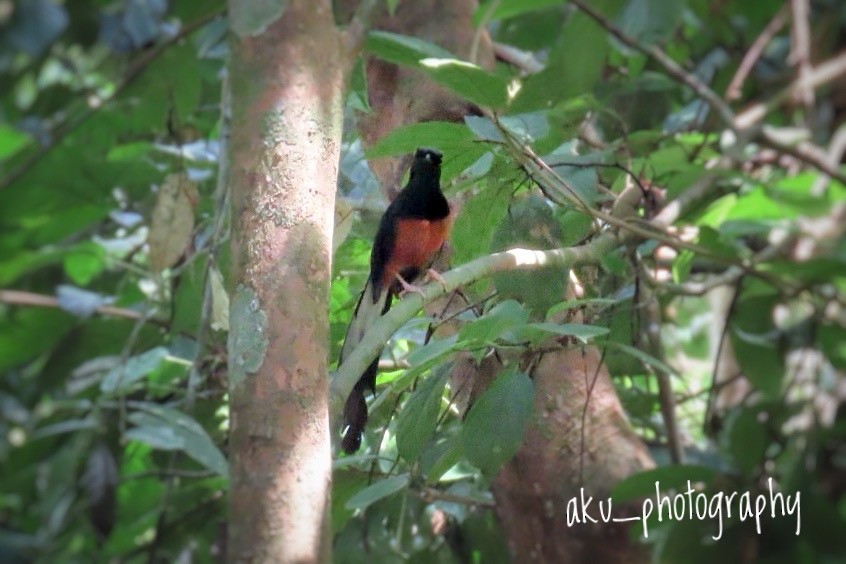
column 287, row 73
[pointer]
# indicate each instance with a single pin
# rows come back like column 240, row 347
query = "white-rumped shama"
column 411, row 232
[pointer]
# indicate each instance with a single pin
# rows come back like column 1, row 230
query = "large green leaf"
column 643, row 484
column 506, row 10
column 123, row 377
column 756, row 342
column 469, row 81
column 402, row 49
column 493, row 430
column 565, row 75
column 179, row 427
column 651, row 21
column 444, row 136
column 377, row 491
column 464, row 78
column 419, row 417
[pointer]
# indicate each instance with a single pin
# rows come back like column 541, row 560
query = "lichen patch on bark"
column 247, row 335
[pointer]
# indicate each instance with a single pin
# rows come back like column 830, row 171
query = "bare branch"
column 524, row 60
column 359, row 26
column 800, row 50
column 821, row 74
column 22, row 298
column 735, row 87
column 672, row 67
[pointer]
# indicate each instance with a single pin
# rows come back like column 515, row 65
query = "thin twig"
column 523, row 60
column 221, row 214
column 21, row 297
column 357, row 30
column 481, row 29
column 735, row 87
column 673, row 68
column 821, row 74
column 800, row 51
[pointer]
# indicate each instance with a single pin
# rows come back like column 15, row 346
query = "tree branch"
column 735, row 87
column 23, row 298
column 673, row 68
column 374, row 340
column 358, row 28
column 821, row 74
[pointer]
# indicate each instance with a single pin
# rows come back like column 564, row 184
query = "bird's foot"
column 408, row 288
column 434, row 275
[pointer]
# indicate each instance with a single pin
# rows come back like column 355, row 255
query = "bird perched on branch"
column 411, row 232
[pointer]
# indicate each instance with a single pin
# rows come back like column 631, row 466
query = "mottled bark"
column 580, row 438
column 287, row 74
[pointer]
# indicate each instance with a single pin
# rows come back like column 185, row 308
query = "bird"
column 411, row 233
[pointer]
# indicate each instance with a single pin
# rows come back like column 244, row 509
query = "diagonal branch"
column 673, row 68
column 374, row 340
column 733, row 92
column 358, row 27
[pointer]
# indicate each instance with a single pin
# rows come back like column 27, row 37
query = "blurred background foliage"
column 114, row 250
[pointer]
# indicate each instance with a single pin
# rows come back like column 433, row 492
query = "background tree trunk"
column 287, row 76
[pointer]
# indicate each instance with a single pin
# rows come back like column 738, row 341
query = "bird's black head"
column 426, row 161
column 427, row 155
column 422, row 196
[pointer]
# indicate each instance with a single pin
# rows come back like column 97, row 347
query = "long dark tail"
column 370, row 307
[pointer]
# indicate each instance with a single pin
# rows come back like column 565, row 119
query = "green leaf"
column 84, row 262
column 645, row 358
column 402, row 49
column 479, row 218
column 567, row 76
column 494, row 427
column 468, row 80
column 510, row 9
column 832, row 341
column 419, row 417
column 465, row 79
column 130, row 151
column 196, row 442
column 122, row 378
column 377, row 491
column 441, row 457
column 11, row 140
column 434, row 350
column 445, row 136
column 345, row 484
column 754, row 338
column 651, row 21
column 153, row 431
column 503, row 317
column 583, row 333
column 642, row 484
column 745, row 438
column 70, row 426
column 682, row 265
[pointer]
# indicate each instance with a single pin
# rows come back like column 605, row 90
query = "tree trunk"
column 287, row 73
